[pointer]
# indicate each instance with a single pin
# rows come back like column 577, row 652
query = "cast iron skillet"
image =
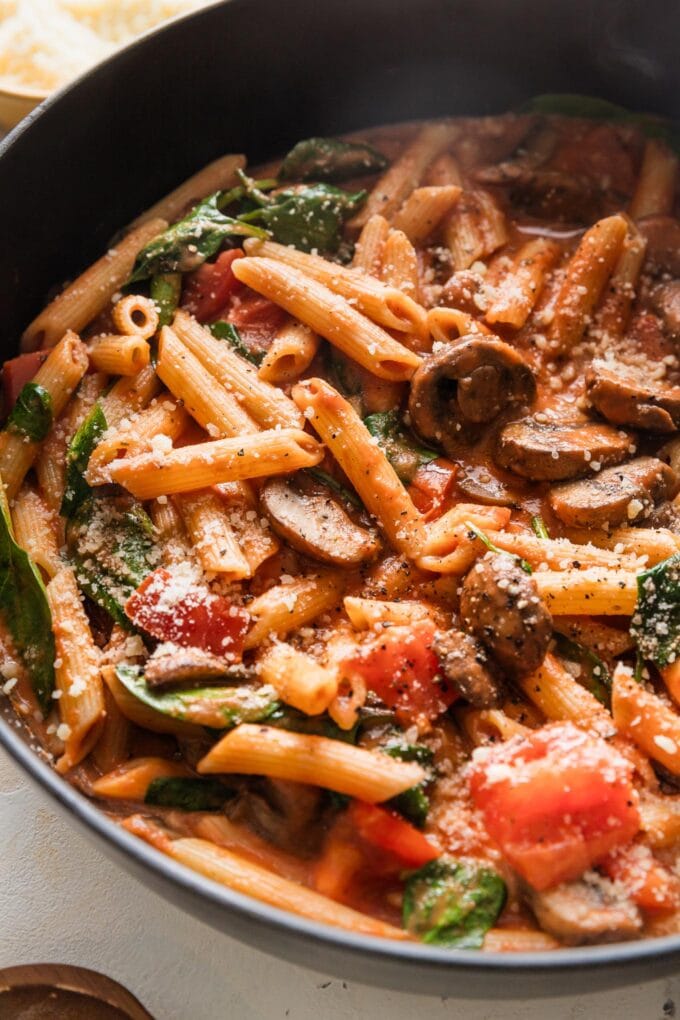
column 253, row 76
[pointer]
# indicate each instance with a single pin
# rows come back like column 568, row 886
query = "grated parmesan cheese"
column 45, row 43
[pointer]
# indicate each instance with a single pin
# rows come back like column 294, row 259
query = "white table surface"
column 62, row 901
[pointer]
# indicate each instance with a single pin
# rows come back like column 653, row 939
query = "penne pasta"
column 520, row 288
column 129, row 395
column 298, row 679
column 330, row 315
column 287, row 607
column 424, row 209
column 475, row 229
column 649, row 722
column 614, row 314
column 212, row 535
column 120, row 355
column 369, row 248
column 77, row 672
column 399, row 268
column 35, row 530
column 387, row 306
column 58, row 376
column 363, row 462
column 113, row 746
column 655, row 191
column 149, row 475
column 559, row 696
column 131, row 780
column 587, row 273
column 291, row 353
column 83, row 300
column 256, row 540
column 594, row 591
column 263, row 750
column 135, row 315
column 365, row 614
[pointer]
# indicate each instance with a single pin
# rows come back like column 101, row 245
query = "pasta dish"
column 340, row 528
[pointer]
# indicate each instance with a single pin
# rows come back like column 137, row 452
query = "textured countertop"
column 62, row 901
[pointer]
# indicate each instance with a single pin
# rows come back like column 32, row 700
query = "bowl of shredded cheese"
column 46, row 43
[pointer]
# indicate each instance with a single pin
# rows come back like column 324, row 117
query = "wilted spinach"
column 448, row 903
column 401, row 449
column 227, row 331
column 329, row 159
column 656, row 622
column 165, row 291
column 31, row 415
column 77, row 458
column 188, row 794
column 309, row 217
column 594, row 675
column 570, row 104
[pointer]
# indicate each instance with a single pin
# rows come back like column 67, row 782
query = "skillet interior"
column 255, row 75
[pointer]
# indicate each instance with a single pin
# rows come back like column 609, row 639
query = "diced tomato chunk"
column 257, row 318
column 556, row 802
column 193, row 617
column 386, row 831
column 650, row 885
column 17, row 372
column 400, row 666
column 432, row 485
column 208, row 289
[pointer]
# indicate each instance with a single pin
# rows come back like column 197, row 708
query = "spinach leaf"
column 77, row 458
column 328, row 159
column 309, row 217
column 485, row 540
column 656, row 623
column 165, row 291
column 188, row 794
column 227, row 331
column 448, row 903
column 332, row 483
column 401, row 449
column 413, row 804
column 287, row 718
column 110, row 540
column 538, row 527
column 220, row 708
column 570, row 104
column 24, row 607
column 188, row 243
column 594, row 675
column 31, row 416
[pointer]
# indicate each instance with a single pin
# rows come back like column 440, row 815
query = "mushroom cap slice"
column 553, row 451
column 187, row 666
column 624, row 397
column 666, row 303
column 617, row 495
column 465, row 385
column 500, row 605
column 315, row 524
column 465, row 664
column 580, row 912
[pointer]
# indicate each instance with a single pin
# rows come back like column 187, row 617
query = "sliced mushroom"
column 553, row 451
column 481, row 485
column 666, row 303
column 536, row 148
column 315, row 524
column 466, row 385
column 662, row 234
column 500, row 605
column 466, row 665
column 285, row 813
column 460, row 291
column 190, row 666
column 578, row 912
column 622, row 395
column 618, row 494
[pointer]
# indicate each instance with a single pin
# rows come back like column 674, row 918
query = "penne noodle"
column 255, row 538
column 488, row 725
column 207, row 523
column 131, row 780
column 596, row 591
column 424, row 209
column 406, row 172
column 442, row 171
column 330, row 315
column 387, row 306
column 273, row 452
column 399, row 268
column 649, row 722
column 655, row 544
column 475, row 229
column 449, row 324
column 365, row 614
column 518, row 291
column 77, row 672
column 135, row 315
column 163, row 417
column 266, row 404
column 58, row 375
column 586, row 276
column 518, row 940
column 215, row 407
column 614, row 314
column 660, row 819
column 364, row 463
column 555, row 692
column 240, row 838
column 250, row 879
column 113, row 746
column 655, row 191
column 216, row 176
column 35, row 530
column 266, row 751
column 129, row 395
column 119, row 355
column 298, row 679
column 287, row 607
column 369, row 248
column 84, row 299
column 291, row 353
